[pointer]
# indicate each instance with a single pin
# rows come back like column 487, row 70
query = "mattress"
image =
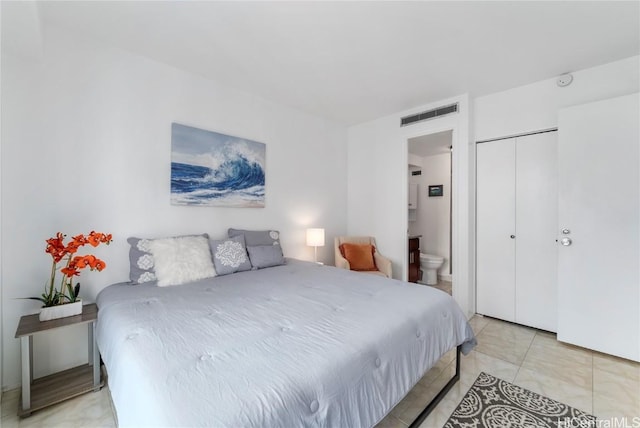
column 292, row 345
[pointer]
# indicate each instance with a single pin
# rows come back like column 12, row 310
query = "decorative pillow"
column 181, row 260
column 253, row 238
column 359, row 256
column 230, row 255
column 263, row 256
column 140, row 261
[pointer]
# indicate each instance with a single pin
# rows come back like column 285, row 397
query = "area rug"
column 495, row 403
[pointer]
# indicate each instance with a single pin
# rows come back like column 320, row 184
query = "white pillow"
column 181, row 260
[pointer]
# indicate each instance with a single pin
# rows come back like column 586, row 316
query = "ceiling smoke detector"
column 564, row 80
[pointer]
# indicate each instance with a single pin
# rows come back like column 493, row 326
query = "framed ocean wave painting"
column 213, row 169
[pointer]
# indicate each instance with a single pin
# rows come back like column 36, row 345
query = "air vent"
column 416, row 172
column 429, row 114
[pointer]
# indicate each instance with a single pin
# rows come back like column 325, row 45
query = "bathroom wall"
column 432, row 219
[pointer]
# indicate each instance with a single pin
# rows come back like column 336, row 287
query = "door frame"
column 462, row 196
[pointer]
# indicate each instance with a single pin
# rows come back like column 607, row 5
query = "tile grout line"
column 497, row 358
column 483, row 327
column 525, row 356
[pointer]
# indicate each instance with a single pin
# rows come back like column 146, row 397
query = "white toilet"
column 429, row 264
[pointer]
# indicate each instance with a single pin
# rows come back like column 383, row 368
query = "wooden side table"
column 52, row 389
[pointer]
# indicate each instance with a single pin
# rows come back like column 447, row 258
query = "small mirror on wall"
column 435, row 190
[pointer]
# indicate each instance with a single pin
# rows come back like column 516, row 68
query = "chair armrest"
column 342, row 263
column 383, row 264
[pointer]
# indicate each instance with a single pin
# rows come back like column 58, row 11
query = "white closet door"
column 495, row 272
column 536, row 230
column 599, row 273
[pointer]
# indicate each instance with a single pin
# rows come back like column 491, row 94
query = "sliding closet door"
column 536, row 230
column 599, row 265
column 495, row 272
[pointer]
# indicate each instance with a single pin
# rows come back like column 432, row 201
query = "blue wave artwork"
column 212, row 169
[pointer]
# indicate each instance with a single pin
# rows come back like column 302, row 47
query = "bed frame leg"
column 433, row 403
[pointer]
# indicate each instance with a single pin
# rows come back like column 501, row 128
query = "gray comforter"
column 288, row 346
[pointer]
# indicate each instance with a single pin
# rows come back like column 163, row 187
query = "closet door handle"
column 411, row 257
column 512, row 236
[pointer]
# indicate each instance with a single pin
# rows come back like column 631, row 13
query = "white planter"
column 61, row 311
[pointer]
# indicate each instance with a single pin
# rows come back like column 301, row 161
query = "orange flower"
column 70, row 271
column 76, row 242
column 78, row 262
column 79, row 240
column 55, row 247
column 94, row 238
column 91, row 261
column 97, row 238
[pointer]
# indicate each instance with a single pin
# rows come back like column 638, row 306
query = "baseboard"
column 446, row 278
column 9, row 388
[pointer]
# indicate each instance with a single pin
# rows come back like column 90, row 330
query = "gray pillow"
column 141, row 260
column 253, row 238
column 230, row 255
column 263, row 256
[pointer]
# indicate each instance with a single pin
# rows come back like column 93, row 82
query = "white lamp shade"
column 315, row 237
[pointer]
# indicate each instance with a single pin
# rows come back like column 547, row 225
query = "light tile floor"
column 599, row 384
column 442, row 285
column 595, row 383
column 88, row 410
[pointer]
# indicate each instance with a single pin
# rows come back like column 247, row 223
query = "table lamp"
column 315, row 238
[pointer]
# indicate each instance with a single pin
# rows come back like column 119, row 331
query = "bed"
column 293, row 345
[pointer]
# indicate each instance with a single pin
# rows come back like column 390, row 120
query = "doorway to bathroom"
column 429, row 211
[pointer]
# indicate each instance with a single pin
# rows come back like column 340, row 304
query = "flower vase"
column 61, row 311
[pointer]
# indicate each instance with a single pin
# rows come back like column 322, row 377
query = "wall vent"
column 416, row 172
column 429, row 114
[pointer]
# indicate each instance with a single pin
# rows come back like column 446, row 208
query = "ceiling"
column 353, row 61
column 430, row 145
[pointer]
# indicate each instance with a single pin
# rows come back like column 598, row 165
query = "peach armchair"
column 383, row 264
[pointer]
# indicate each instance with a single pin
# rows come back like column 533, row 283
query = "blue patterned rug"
column 495, row 403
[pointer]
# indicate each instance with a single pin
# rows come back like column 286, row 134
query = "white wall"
column 377, row 183
column 432, row 214
column 414, row 160
column 86, row 145
column 534, row 107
